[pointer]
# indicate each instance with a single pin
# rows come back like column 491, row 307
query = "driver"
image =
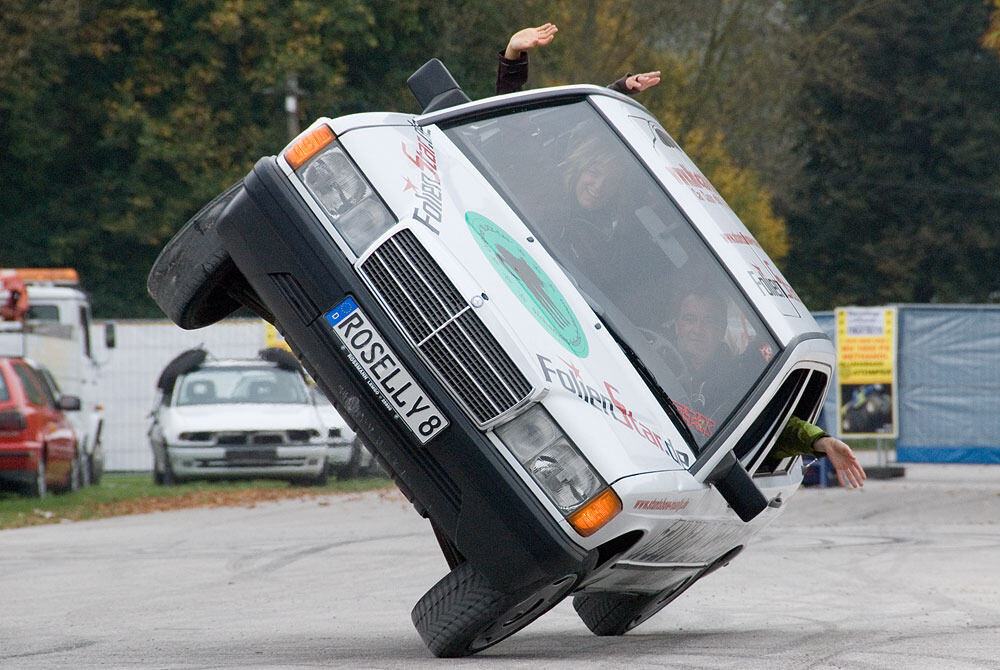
column 699, row 331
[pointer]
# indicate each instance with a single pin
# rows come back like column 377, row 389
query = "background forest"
column 858, row 140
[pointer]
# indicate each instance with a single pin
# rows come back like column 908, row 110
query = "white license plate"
column 381, row 368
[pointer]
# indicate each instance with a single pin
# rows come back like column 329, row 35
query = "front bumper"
column 277, row 462
column 457, row 479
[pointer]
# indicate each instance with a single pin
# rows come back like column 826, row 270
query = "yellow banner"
column 866, row 370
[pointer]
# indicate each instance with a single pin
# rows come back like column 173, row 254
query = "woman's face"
column 594, row 187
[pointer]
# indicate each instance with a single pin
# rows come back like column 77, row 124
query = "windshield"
column 631, row 251
column 210, row 386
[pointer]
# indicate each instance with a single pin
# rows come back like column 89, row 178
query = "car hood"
column 585, row 379
column 243, row 417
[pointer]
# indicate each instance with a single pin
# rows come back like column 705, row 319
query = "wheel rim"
column 524, row 612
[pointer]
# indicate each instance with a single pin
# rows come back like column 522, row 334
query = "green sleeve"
column 797, row 438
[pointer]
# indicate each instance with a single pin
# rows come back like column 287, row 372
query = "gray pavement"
column 901, row 574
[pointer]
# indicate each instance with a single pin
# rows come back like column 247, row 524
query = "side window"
column 4, row 391
column 32, row 386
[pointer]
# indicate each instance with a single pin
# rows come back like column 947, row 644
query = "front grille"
column 459, row 348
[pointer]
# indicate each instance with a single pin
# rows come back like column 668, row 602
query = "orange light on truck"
column 308, row 145
column 601, row 509
column 55, row 275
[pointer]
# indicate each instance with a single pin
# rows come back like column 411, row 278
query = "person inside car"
column 699, row 334
column 512, row 69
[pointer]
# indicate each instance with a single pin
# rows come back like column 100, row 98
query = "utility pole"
column 292, row 93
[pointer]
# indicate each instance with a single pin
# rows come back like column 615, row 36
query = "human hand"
column 643, row 80
column 529, row 38
column 849, row 471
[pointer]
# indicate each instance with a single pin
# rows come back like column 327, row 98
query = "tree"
column 900, row 199
column 599, row 40
column 142, row 111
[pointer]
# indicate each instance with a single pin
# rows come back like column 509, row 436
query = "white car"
column 346, row 456
column 236, row 418
column 524, row 346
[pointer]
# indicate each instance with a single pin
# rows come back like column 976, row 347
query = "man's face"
column 594, row 187
column 700, row 327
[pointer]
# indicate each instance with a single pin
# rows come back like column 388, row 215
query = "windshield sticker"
column 700, row 186
column 528, row 281
column 608, row 403
column 741, row 238
column 428, row 188
column 771, row 283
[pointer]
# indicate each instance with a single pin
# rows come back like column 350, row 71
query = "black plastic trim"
column 458, row 479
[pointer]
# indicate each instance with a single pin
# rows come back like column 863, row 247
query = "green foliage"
column 900, row 195
column 872, row 124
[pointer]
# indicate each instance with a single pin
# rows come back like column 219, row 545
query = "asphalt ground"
column 902, row 574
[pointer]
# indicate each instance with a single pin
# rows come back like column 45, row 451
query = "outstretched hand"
column 643, row 80
column 849, row 470
column 529, row 38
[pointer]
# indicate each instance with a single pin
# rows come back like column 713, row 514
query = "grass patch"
column 120, row 494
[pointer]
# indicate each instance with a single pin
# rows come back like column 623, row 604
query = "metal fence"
column 130, row 370
column 948, row 380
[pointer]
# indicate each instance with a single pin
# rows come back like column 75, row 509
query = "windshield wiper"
column 647, row 376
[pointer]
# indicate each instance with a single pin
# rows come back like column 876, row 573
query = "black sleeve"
column 511, row 74
column 620, row 86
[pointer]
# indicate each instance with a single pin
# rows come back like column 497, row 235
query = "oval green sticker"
column 528, row 281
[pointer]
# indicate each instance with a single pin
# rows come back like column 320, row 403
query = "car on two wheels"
column 510, row 355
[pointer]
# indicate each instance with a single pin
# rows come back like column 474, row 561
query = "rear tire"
column 38, row 488
column 75, row 474
column 463, row 614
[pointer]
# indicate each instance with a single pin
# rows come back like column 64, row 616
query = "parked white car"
column 237, row 418
column 346, row 454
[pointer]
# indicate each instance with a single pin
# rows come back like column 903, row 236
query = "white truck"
column 55, row 332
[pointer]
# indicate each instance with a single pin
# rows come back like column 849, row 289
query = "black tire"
column 618, row 613
column 352, row 469
column 38, row 488
column 193, row 277
column 75, row 474
column 463, row 614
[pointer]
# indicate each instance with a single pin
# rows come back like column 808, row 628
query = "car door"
column 52, row 426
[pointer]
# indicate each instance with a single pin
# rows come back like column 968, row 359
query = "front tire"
column 194, row 280
column 463, row 614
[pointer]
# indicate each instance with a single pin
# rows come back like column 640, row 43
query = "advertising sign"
column 866, row 371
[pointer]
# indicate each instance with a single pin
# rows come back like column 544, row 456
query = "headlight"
column 353, row 207
column 559, row 468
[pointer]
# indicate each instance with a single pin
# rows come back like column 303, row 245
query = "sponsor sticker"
column 529, row 282
column 380, row 367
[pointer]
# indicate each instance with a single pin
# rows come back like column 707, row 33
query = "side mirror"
column 434, row 87
column 69, row 403
column 109, row 335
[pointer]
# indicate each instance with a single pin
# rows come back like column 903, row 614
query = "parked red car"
column 38, row 448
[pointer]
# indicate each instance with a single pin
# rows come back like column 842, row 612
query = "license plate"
column 251, row 455
column 381, row 368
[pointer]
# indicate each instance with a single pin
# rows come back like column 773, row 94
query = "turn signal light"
column 308, row 145
column 601, row 509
